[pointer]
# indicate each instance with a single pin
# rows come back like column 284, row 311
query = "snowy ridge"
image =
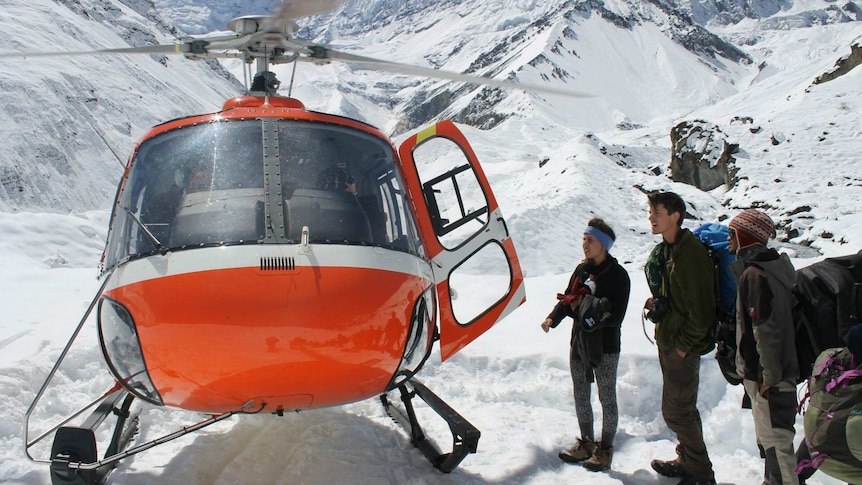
column 586, row 46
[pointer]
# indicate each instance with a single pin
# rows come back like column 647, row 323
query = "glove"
column 577, row 290
column 567, row 299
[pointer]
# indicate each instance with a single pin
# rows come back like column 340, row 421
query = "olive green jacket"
column 685, row 276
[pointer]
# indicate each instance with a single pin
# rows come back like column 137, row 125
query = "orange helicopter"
column 267, row 258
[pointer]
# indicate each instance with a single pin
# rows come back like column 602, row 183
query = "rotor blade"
column 147, row 49
column 296, row 9
column 399, row 68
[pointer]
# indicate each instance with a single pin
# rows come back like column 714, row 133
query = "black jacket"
column 613, row 284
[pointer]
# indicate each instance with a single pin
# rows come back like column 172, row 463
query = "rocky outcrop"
column 701, row 155
column 844, row 65
column 775, row 13
column 480, row 112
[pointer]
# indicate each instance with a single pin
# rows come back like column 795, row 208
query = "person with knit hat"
column 766, row 349
column 753, row 228
column 596, row 299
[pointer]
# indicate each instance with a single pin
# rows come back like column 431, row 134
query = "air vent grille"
column 279, row 263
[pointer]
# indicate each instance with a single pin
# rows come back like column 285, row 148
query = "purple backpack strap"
column 847, row 375
column 820, row 367
column 814, row 463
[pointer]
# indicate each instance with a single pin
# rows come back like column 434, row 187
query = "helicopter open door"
column 464, row 234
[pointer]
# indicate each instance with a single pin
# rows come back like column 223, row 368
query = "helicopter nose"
column 308, row 336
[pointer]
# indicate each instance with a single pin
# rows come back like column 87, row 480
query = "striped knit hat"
column 752, row 227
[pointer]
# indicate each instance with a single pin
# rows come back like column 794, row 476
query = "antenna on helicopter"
column 292, row 79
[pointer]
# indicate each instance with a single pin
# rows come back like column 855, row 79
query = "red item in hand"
column 577, row 290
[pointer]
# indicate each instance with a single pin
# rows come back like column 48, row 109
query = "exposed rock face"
column 701, row 155
column 844, row 65
column 774, row 12
column 480, row 112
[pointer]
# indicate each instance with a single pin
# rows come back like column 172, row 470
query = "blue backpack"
column 714, row 237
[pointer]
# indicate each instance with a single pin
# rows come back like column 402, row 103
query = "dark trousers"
column 680, row 380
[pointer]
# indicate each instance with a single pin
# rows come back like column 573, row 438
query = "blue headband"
column 603, row 238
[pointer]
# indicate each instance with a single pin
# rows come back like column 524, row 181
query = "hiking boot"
column 601, row 460
column 582, row 450
column 669, row 468
column 697, row 481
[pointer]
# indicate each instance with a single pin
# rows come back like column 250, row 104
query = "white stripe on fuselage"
column 249, row 256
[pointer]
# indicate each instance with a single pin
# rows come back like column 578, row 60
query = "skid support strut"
column 78, row 444
column 465, row 436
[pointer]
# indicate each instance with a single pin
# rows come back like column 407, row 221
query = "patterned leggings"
column 606, row 381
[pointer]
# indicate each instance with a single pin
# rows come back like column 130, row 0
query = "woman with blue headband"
column 596, row 299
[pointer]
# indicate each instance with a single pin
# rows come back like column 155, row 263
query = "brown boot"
column 601, row 460
column 582, row 450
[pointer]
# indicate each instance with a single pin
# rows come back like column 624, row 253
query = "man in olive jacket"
column 679, row 272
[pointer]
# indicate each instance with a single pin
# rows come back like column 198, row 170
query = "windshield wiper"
column 159, row 246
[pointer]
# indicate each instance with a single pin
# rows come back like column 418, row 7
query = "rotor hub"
column 252, row 24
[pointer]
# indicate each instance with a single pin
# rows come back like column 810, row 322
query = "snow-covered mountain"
column 69, row 123
column 649, row 65
column 642, row 61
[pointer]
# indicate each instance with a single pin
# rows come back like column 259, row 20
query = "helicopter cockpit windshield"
column 260, row 181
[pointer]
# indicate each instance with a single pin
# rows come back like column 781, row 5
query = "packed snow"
column 513, row 384
column 553, row 165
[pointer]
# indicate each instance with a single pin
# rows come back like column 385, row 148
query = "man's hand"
column 763, row 390
column 681, row 353
column 546, row 325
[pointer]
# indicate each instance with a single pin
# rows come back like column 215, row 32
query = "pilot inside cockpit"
column 336, row 179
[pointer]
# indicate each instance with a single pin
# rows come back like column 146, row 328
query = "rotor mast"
column 267, row 43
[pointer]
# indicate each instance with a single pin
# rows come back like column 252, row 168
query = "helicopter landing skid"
column 74, row 449
column 465, row 436
column 75, row 445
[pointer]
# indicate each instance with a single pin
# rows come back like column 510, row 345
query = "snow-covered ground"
column 512, row 383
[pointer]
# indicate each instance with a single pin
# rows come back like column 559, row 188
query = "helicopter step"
column 465, row 436
column 75, row 447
